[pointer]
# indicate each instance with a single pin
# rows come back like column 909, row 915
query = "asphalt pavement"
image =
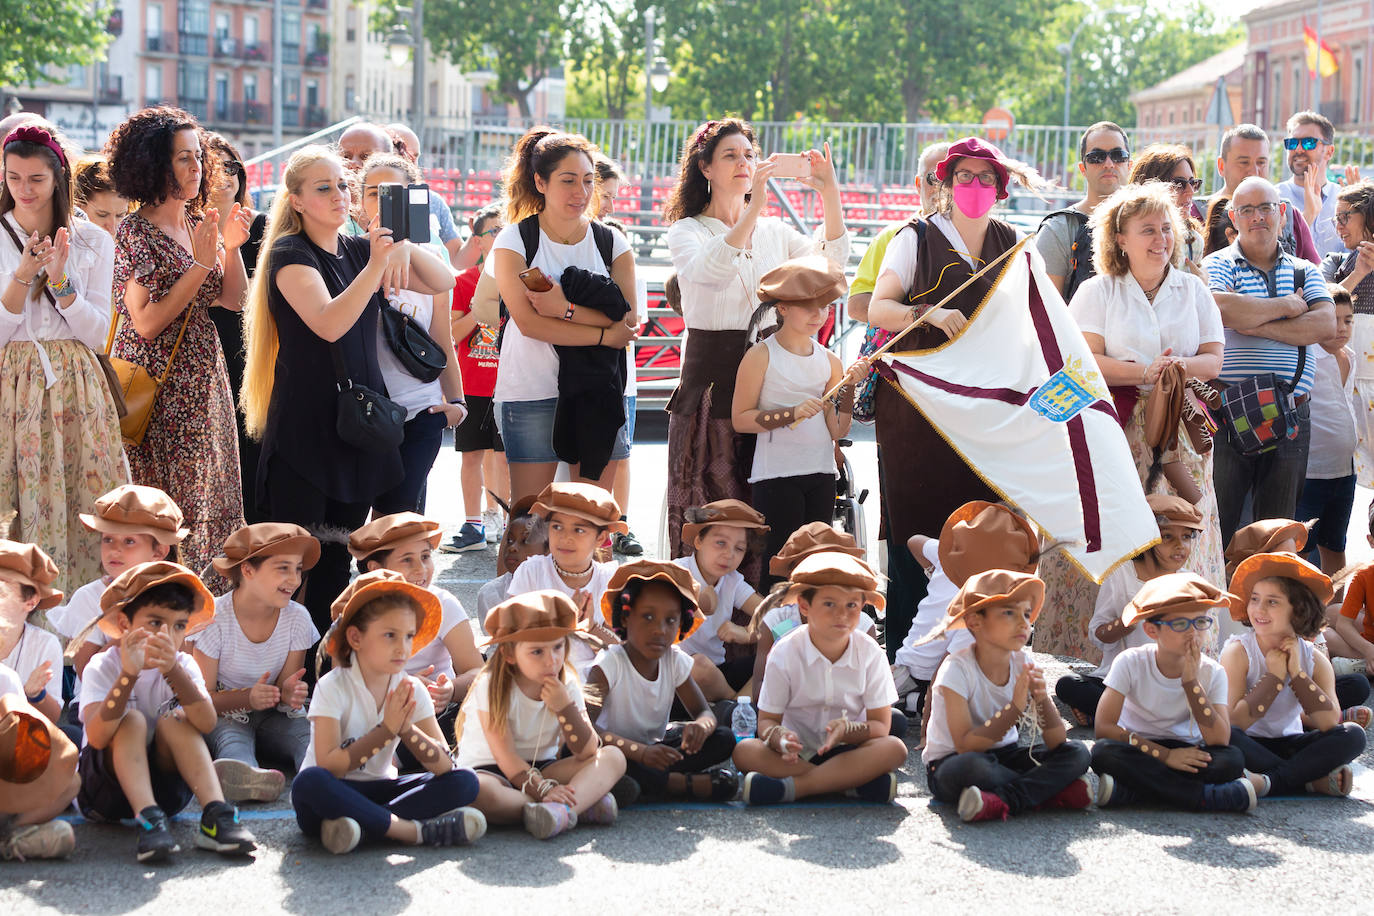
column 1291, row 856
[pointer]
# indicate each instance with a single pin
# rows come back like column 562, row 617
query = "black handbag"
column 417, row 351
column 365, row 419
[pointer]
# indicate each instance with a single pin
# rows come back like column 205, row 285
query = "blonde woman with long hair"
column 315, row 299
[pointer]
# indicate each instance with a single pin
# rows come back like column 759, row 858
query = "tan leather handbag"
column 136, row 386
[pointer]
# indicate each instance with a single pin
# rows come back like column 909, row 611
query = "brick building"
column 1181, row 101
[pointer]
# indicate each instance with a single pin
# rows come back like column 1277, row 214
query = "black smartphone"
column 404, row 209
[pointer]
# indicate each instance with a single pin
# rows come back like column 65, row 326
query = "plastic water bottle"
column 743, row 721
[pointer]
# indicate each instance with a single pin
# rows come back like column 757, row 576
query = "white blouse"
column 719, row 282
column 90, row 267
column 1184, row 316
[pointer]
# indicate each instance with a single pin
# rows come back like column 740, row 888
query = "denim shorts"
column 526, row 428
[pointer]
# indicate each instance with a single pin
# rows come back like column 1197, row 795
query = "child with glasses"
column 1163, row 732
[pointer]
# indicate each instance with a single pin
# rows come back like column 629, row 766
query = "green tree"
column 519, row 41
column 36, row 34
column 607, row 47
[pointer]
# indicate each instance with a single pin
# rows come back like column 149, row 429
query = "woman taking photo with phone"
column 721, row 245
column 311, row 326
column 551, row 187
column 431, row 406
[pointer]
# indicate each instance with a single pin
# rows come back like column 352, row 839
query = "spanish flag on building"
column 1319, row 53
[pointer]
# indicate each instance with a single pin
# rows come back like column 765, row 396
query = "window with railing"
column 193, row 27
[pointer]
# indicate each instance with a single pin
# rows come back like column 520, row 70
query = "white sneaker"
column 340, row 835
column 494, row 524
column 242, row 782
column 1341, row 665
column 53, row 840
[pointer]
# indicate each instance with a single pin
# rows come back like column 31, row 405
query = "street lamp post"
column 656, row 75
column 1067, row 51
column 401, row 42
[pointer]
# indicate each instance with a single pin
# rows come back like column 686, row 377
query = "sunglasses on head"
column 1307, row 143
column 1099, row 156
column 1181, row 183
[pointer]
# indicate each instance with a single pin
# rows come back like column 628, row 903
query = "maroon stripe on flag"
column 1049, row 346
column 1005, row 395
column 1087, row 484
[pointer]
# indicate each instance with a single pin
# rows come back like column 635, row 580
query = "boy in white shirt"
column 827, row 696
column 146, row 714
column 1163, row 730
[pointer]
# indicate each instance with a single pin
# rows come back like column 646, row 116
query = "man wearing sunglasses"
column 1064, row 239
column 1273, row 306
column 1245, row 152
column 1309, row 145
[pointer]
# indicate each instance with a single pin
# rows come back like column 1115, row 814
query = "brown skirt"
column 924, row 479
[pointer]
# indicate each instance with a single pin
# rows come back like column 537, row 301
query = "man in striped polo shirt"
column 1269, row 325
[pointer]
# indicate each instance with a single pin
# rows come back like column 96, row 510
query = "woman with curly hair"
column 59, row 433
column 170, row 268
column 1172, row 163
column 721, row 244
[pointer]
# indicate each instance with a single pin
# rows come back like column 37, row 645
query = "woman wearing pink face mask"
column 925, row 266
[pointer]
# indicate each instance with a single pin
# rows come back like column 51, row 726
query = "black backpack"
column 1080, row 252
column 529, row 234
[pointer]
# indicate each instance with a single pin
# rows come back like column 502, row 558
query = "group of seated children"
column 590, row 684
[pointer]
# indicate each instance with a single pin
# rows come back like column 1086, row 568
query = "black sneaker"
column 627, row 544
column 155, row 841
column 220, row 830
column 626, row 791
column 459, row 827
column 1238, row 795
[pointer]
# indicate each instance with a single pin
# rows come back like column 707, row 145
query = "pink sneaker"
column 977, row 805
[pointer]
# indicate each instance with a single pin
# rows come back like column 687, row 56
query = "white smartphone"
column 791, row 165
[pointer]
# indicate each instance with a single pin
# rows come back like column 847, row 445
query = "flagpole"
column 924, row 316
column 1317, row 100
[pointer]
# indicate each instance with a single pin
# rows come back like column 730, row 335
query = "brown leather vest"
column 939, row 271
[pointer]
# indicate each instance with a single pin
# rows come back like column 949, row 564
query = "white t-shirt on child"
column 83, row 606
column 343, row 695
column 488, row 597
column 731, row 592
column 962, row 675
column 436, row 653
column 531, row 725
column 923, row 660
column 152, row 695
column 1117, row 591
column 634, row 707
column 242, row 661
column 538, row 573
column 34, row 648
column 808, row 690
column 1155, row 705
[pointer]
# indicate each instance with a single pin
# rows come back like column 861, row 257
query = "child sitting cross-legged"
column 978, row 698
column 1284, row 715
column 652, row 606
column 1163, row 733
column 146, row 714
column 827, row 696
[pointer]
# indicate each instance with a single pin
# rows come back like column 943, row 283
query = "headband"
column 700, row 139
column 30, row 134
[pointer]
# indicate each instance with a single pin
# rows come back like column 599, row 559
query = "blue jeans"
column 1009, row 773
column 1153, row 780
column 424, row 437
column 269, row 735
column 318, row 795
column 1273, row 479
column 1329, row 501
column 1291, row 762
column 526, row 428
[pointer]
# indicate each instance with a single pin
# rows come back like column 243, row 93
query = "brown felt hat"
column 376, row 584
column 1262, row 537
column 732, row 513
column 1174, row 510
column 389, row 530
column 267, row 539
column 37, row 761
column 538, row 616
column 27, row 564
column 670, row 574
column 813, row 537
column 135, row 509
column 136, row 580
column 1175, row 593
column 581, row 500
column 992, row 587
column 981, row 535
column 813, row 281
column 1274, row 565
column 837, row 569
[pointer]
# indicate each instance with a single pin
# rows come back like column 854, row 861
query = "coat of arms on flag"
column 1018, row 395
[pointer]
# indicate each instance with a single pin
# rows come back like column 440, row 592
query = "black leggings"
column 292, row 498
column 788, row 503
column 1291, row 762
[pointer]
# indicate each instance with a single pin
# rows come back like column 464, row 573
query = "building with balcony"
column 1276, row 79
column 213, row 58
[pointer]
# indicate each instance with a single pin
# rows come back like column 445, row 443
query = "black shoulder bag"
column 419, row 354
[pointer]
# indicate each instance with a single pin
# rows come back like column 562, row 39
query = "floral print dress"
column 191, row 447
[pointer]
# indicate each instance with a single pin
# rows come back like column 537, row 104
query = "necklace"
column 569, row 574
column 566, row 240
column 1154, row 291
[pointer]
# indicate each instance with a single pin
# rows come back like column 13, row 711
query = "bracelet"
column 40, row 697
column 207, row 269
column 567, row 316
column 601, row 337
column 63, row 287
column 15, row 278
column 458, row 401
